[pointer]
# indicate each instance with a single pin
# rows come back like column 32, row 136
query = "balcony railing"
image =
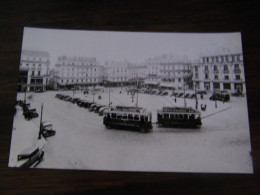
column 226, row 71
column 216, row 71
column 237, row 70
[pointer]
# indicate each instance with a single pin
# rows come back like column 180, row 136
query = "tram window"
column 146, row 118
column 119, row 116
column 159, row 116
column 166, row 116
column 185, row 116
column 171, row 116
column 124, row 117
column 180, row 116
column 192, row 116
column 176, row 116
column 136, row 117
column 130, row 116
column 113, row 115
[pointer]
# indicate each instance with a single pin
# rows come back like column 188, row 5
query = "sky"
column 131, row 46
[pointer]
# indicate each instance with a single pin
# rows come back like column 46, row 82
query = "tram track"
column 216, row 112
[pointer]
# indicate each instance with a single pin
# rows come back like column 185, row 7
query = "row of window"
column 222, row 59
column 134, row 117
column 77, row 64
column 216, row 77
column 78, row 80
column 77, row 69
column 177, row 116
column 32, row 59
column 34, row 73
column 226, row 86
column 33, row 65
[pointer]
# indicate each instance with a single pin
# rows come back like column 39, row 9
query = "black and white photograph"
column 131, row 101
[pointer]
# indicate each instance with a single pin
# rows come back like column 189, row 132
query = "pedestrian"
column 216, row 104
column 175, row 100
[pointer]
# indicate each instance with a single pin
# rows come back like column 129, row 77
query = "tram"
column 132, row 118
column 179, row 117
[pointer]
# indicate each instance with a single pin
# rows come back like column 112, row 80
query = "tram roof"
column 127, row 110
column 179, row 110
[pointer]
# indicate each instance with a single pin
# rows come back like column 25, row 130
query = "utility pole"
column 195, row 86
column 108, row 95
column 184, row 96
column 93, row 93
column 25, row 95
column 40, row 129
column 137, row 92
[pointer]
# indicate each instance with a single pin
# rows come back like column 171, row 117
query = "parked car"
column 30, row 114
column 74, row 100
column 220, row 95
column 192, row 95
column 180, row 94
column 25, row 106
column 89, row 104
column 202, row 92
column 47, row 130
column 238, row 94
column 102, row 110
column 187, row 95
column 92, row 107
column 67, row 98
column 96, row 110
column 164, row 93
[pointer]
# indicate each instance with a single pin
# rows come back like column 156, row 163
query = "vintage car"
column 96, row 110
column 30, row 114
column 94, row 106
column 75, row 100
column 46, row 129
column 220, row 95
column 102, row 110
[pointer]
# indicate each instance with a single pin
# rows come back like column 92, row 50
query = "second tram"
column 179, row 117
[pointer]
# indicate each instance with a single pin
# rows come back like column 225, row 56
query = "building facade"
column 169, row 72
column 220, row 72
column 33, row 70
column 123, row 73
column 81, row 72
